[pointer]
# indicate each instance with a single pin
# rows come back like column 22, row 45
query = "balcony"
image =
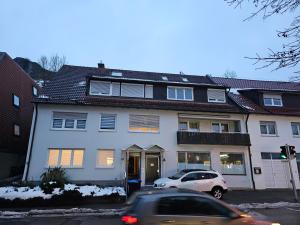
column 206, row 138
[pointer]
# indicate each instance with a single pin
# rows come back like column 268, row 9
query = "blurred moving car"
column 178, row 206
column 198, row 180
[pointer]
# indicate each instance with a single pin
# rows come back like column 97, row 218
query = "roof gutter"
column 250, row 155
column 30, row 144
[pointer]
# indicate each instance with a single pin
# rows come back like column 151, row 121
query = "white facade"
column 91, row 139
column 275, row 173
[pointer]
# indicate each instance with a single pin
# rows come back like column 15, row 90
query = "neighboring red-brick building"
column 16, row 91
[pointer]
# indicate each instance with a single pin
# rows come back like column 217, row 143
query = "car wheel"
column 217, row 192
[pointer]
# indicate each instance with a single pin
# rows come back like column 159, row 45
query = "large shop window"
column 232, row 163
column 68, row 158
column 105, row 158
column 193, row 160
column 144, row 123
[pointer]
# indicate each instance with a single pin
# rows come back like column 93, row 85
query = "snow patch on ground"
column 61, row 212
column 25, row 193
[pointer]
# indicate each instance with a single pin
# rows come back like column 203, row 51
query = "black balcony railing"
column 206, row 138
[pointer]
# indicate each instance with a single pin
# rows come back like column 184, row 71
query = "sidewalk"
column 260, row 196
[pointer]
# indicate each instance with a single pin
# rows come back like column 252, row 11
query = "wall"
column 92, row 139
column 271, row 144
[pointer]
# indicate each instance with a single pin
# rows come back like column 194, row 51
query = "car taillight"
column 129, row 219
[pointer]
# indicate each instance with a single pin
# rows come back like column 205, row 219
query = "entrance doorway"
column 134, row 165
column 152, row 168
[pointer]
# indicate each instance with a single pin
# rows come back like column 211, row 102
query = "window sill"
column 105, row 167
column 269, row 135
column 103, row 130
column 65, row 129
column 173, row 99
column 147, row 132
column 68, row 167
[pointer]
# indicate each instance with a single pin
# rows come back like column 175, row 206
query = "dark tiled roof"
column 257, row 84
column 69, row 87
column 244, row 85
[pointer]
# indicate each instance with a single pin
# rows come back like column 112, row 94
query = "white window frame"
column 267, row 127
column 298, row 128
column 216, row 100
column 110, row 88
column 108, row 130
column 142, row 131
column 64, row 124
column 105, row 167
column 244, row 163
column 188, row 125
column 34, row 91
column 272, row 97
column 132, row 84
column 71, row 161
column 176, row 88
column 16, row 101
column 220, row 127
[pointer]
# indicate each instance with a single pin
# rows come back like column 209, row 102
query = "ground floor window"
column 232, row 163
column 66, row 158
column 193, row 160
column 105, row 158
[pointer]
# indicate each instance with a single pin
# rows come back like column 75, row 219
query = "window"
column 121, row 89
column 189, row 125
column 68, row 158
column 216, row 95
column 193, row 160
column 164, row 78
column 270, row 155
column 16, row 101
column 105, row 158
column 295, row 129
column 220, row 127
column 184, row 79
column 272, row 100
column 144, row 123
column 192, row 206
column 232, row 163
column 17, row 130
column 116, row 74
column 180, row 93
column 132, row 90
column 107, row 122
column 69, row 121
column 34, row 91
column 268, row 128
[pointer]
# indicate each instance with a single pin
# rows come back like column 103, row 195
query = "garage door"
column 275, row 171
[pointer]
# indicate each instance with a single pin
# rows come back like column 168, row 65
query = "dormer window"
column 116, row 74
column 272, row 100
column 180, row 93
column 164, row 78
column 216, row 95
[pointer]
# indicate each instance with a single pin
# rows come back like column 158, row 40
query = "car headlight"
column 162, row 185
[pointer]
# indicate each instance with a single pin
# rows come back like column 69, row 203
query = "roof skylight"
column 164, row 78
column 116, row 73
column 184, row 79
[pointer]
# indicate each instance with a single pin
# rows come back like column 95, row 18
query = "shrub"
column 53, row 178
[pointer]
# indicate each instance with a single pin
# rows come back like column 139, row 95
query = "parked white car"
column 198, row 180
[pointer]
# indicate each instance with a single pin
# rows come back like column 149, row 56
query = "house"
column 274, row 120
column 16, row 91
column 104, row 125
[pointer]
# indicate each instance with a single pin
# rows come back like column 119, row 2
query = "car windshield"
column 177, row 175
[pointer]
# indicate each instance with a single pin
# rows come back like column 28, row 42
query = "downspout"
column 250, row 155
column 30, row 144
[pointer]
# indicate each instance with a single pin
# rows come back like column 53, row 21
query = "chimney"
column 101, row 65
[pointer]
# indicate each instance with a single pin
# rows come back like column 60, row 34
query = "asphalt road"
column 285, row 216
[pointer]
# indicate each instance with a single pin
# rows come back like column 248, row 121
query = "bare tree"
column 54, row 63
column 43, row 61
column 289, row 55
column 230, row 74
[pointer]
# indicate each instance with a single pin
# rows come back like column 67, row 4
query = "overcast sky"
column 192, row 36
